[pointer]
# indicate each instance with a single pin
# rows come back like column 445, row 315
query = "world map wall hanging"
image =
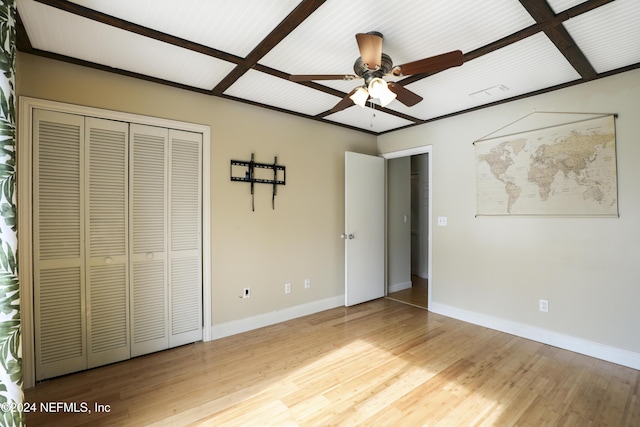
column 562, row 170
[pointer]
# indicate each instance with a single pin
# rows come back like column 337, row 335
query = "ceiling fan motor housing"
column 361, row 70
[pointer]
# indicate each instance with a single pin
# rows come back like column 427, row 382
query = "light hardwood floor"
column 381, row 363
column 417, row 294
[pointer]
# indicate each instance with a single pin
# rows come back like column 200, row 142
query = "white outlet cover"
column 544, row 305
column 442, row 221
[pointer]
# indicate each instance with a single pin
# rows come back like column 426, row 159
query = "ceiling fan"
column 373, row 64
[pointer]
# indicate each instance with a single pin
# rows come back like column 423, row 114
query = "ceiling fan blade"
column 434, row 63
column 345, row 102
column 310, row 77
column 404, row 95
column 370, row 45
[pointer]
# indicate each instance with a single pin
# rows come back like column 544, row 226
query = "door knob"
column 351, row 237
column 347, row 236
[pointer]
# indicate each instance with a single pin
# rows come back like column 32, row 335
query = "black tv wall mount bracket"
column 245, row 171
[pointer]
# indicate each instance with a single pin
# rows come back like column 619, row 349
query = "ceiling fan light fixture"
column 360, row 96
column 377, row 87
column 387, row 97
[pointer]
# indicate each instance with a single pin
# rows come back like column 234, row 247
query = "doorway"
column 409, row 226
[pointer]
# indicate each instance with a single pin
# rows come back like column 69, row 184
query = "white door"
column 58, row 243
column 364, row 228
column 166, row 224
column 148, row 223
column 185, row 237
column 106, row 242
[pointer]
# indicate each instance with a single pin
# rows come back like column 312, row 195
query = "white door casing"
column 426, row 149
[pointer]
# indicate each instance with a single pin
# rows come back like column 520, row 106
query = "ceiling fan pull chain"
column 373, row 115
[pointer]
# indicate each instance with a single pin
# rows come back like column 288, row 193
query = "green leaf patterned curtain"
column 11, row 395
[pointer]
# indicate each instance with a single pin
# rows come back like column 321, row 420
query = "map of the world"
column 562, row 170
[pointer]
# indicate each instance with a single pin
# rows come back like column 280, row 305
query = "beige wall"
column 588, row 268
column 263, row 249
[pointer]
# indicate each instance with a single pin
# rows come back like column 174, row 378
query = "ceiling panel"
column 562, row 5
column 526, row 66
column 325, row 42
column 63, row 33
column 234, row 27
column 269, row 90
column 368, row 119
column 610, row 35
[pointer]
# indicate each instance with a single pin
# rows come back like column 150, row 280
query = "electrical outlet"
column 287, row 288
column 307, row 283
column 442, row 221
column 246, row 292
column 544, row 305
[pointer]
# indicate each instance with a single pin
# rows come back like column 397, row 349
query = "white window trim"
column 24, row 155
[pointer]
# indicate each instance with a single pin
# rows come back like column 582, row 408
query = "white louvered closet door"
column 58, row 205
column 148, row 234
column 107, row 281
column 185, row 237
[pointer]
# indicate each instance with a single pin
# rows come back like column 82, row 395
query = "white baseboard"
column 243, row 325
column 399, row 286
column 578, row 345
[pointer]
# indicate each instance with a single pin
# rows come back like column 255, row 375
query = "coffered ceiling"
column 246, row 50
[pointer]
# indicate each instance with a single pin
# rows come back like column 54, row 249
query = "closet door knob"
column 108, row 260
column 150, row 255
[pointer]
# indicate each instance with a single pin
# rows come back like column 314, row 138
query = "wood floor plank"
column 379, row 363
